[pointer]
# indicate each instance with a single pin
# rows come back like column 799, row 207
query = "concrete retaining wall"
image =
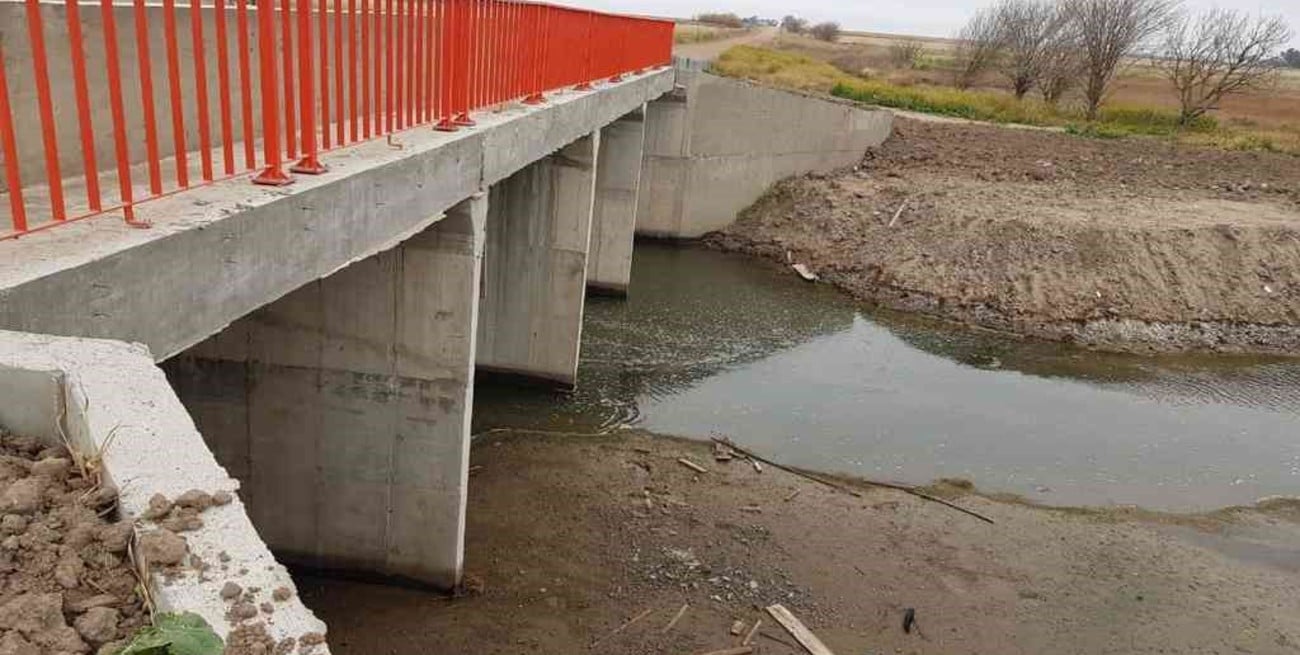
column 715, row 145
column 90, row 389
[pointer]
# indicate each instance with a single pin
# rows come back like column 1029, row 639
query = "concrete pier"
column 535, row 272
column 344, row 408
column 618, row 184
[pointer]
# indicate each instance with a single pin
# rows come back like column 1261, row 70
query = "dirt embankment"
column 1129, row 244
column 67, row 584
column 570, row 538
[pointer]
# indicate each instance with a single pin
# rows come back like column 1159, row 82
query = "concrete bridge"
column 325, row 335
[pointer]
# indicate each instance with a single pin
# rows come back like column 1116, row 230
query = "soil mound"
column 68, row 585
column 1129, row 245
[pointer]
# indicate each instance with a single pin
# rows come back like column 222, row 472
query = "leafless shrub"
column 1108, row 32
column 979, row 45
column 1218, row 53
column 905, row 54
column 825, row 31
column 794, row 25
column 1029, row 29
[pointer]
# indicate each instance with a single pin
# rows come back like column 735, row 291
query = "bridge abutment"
column 344, row 407
column 618, row 185
column 535, row 268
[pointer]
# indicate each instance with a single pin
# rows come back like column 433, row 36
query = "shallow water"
column 714, row 343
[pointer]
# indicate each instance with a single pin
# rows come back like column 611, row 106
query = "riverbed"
column 712, row 343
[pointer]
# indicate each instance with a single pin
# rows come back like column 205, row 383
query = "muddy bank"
column 569, row 538
column 1128, row 245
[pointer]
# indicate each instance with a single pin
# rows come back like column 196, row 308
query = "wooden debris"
column 676, row 617
column 737, row 627
column 641, row 449
column 627, row 625
column 752, row 509
column 691, row 465
column 749, row 636
column 898, row 213
column 739, row 650
column 804, row 272
column 473, row 470
column 839, row 487
column 721, row 453
column 758, row 467
column 791, row 496
column 798, row 630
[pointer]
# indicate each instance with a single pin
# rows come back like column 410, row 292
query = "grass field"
column 860, row 68
column 690, row 32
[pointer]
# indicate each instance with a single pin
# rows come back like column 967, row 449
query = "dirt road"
column 569, row 538
column 1127, row 244
column 710, row 50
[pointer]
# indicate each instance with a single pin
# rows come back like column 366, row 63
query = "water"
column 712, row 343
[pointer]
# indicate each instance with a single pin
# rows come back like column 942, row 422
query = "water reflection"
column 711, row 342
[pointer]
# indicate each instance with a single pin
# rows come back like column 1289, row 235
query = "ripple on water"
column 712, row 342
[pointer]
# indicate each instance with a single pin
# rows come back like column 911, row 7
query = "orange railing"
column 296, row 78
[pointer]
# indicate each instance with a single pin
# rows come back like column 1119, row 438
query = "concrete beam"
column 219, row 252
column 539, row 233
column 618, row 182
column 345, row 407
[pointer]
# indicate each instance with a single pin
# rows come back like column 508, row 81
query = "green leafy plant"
column 176, row 634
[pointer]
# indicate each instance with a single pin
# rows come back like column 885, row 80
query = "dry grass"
column 1141, row 104
column 686, row 33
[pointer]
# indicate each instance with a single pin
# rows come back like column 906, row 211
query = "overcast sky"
column 919, row 17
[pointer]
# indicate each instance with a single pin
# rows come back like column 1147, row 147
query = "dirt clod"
column 222, row 498
column 243, row 610
column 55, row 468
column 230, row 591
column 159, row 507
column 163, row 547
column 98, row 625
column 282, row 594
column 194, row 499
column 250, row 639
column 24, row 496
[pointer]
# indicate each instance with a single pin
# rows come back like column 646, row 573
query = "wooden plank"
column 798, row 630
column 692, row 465
column 739, row 650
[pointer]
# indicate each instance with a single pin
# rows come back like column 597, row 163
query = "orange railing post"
column 309, row 164
column 414, row 63
column 272, row 174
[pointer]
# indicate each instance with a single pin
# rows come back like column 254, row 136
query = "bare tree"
column 1109, row 31
column 979, row 44
column 1218, row 53
column 825, row 31
column 794, row 24
column 1062, row 67
column 906, row 54
column 1029, row 29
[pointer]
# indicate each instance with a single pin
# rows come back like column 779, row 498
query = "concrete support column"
column 344, row 408
column 618, row 182
column 535, row 267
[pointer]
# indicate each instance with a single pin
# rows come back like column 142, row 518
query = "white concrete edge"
column 114, row 388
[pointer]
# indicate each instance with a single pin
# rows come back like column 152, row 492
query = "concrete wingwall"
column 108, row 397
column 715, row 145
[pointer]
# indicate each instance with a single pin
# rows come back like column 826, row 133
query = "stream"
column 712, row 343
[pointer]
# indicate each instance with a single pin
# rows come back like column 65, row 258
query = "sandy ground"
column 569, row 538
column 1121, row 244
